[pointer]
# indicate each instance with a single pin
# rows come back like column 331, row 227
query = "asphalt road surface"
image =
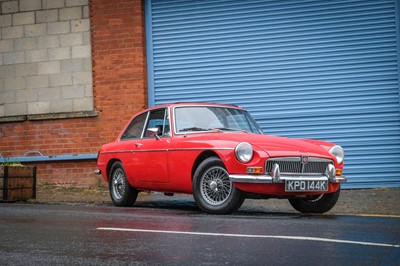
column 39, row 234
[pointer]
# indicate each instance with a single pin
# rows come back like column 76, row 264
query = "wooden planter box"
column 17, row 183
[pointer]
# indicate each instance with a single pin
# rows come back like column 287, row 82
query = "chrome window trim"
column 131, row 120
column 166, row 114
column 148, row 118
column 145, row 124
column 207, row 105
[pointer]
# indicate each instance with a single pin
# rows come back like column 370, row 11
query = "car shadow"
column 189, row 207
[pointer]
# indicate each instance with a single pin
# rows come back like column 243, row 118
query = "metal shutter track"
column 308, row 69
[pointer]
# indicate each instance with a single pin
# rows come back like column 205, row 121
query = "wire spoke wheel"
column 213, row 191
column 118, row 184
column 215, row 186
column 121, row 192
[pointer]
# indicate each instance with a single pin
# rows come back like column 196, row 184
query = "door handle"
column 138, row 145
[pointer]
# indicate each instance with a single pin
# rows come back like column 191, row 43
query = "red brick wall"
column 120, row 83
column 119, row 89
column 75, row 173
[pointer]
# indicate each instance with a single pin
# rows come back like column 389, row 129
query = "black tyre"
column 122, row 194
column 212, row 189
column 316, row 204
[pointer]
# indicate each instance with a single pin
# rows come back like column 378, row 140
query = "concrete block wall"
column 45, row 57
column 119, row 86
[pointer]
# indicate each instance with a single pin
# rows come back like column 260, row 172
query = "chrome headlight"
column 244, row 152
column 338, row 152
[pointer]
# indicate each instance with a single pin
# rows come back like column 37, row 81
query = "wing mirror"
column 154, row 132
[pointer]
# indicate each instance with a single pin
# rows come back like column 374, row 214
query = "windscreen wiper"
column 194, row 129
column 231, row 129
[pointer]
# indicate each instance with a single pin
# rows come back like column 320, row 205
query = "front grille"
column 294, row 165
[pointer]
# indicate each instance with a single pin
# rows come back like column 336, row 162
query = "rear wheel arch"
column 121, row 192
column 109, row 165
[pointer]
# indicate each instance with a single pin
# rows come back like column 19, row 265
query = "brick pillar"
column 119, row 64
column 119, row 90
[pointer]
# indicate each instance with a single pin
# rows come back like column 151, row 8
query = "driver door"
column 151, row 151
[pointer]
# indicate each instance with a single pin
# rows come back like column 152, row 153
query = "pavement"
column 368, row 202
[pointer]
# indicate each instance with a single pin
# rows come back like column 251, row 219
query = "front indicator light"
column 339, row 172
column 255, row 170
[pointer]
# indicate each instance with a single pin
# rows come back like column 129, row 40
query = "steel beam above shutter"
column 307, row 69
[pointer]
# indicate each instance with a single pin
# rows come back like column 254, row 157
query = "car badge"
column 304, row 159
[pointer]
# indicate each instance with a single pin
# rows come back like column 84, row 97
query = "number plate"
column 306, row 185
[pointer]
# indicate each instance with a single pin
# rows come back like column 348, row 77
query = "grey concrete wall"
column 45, row 57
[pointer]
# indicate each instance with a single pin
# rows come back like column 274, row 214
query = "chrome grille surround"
column 282, row 169
column 294, row 165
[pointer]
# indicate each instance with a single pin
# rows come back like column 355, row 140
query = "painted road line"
column 359, row 215
column 304, row 238
column 378, row 215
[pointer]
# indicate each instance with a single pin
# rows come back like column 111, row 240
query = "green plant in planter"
column 10, row 164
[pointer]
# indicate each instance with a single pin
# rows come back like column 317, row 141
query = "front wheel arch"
column 202, row 156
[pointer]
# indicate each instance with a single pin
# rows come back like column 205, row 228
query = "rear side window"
column 135, row 128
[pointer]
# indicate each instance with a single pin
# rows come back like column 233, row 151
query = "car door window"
column 158, row 120
column 135, row 128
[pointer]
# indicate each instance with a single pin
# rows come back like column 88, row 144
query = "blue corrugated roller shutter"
column 308, row 69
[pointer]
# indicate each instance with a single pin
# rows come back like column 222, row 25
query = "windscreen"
column 208, row 118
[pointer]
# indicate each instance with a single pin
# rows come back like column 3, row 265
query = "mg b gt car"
column 219, row 154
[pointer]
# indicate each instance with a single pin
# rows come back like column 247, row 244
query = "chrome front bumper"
column 277, row 177
column 283, row 178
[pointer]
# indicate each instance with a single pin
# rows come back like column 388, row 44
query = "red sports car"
column 219, row 154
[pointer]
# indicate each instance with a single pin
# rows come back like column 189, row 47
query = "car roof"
column 180, row 104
